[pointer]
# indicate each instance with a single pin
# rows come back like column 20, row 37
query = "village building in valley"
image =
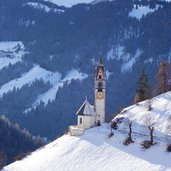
column 89, row 116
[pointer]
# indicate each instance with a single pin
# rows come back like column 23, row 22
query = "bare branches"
column 149, row 122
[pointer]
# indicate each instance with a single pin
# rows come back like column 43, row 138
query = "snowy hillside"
column 10, row 53
column 51, row 93
column 159, row 116
column 70, row 3
column 141, row 11
column 95, row 151
column 35, row 73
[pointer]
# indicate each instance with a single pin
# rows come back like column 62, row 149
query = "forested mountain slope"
column 15, row 143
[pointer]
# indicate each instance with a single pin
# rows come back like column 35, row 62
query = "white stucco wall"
column 87, row 121
column 75, row 131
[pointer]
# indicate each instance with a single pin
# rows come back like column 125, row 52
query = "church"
column 89, row 116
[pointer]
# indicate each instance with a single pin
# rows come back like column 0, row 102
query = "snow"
column 10, row 53
column 88, row 109
column 150, row 60
column 160, row 114
column 129, row 62
column 95, row 151
column 116, row 52
column 142, row 10
column 51, row 93
column 39, row 6
column 108, row 73
column 26, row 23
column 10, row 46
column 69, row 3
column 35, row 73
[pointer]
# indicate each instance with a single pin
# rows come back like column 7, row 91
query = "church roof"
column 86, row 109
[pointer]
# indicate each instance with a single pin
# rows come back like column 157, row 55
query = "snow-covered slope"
column 10, row 53
column 139, row 11
column 35, row 73
column 159, row 116
column 51, row 93
column 70, row 3
column 95, row 151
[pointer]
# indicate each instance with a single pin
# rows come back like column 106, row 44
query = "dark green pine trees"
column 143, row 89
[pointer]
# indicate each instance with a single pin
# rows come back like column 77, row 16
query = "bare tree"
column 129, row 140
column 151, row 124
column 149, row 120
column 111, row 131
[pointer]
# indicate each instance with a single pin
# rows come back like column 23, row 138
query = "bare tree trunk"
column 151, row 134
column 130, row 130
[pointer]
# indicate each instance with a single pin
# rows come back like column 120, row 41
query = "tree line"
column 145, row 91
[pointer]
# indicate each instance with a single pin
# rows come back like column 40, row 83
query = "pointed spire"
column 100, row 60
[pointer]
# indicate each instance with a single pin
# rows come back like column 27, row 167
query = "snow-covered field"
column 95, row 151
column 10, row 53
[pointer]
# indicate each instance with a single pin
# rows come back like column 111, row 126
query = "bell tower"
column 100, row 91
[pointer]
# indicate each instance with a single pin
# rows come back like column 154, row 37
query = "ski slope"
column 35, row 73
column 95, row 151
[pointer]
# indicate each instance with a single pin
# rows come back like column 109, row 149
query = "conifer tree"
column 143, row 89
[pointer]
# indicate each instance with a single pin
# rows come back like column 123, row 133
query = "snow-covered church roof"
column 86, row 109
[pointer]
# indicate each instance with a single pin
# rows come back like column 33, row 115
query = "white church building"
column 89, row 116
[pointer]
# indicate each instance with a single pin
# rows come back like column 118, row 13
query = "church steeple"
column 100, row 91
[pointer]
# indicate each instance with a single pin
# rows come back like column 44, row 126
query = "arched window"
column 100, row 86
